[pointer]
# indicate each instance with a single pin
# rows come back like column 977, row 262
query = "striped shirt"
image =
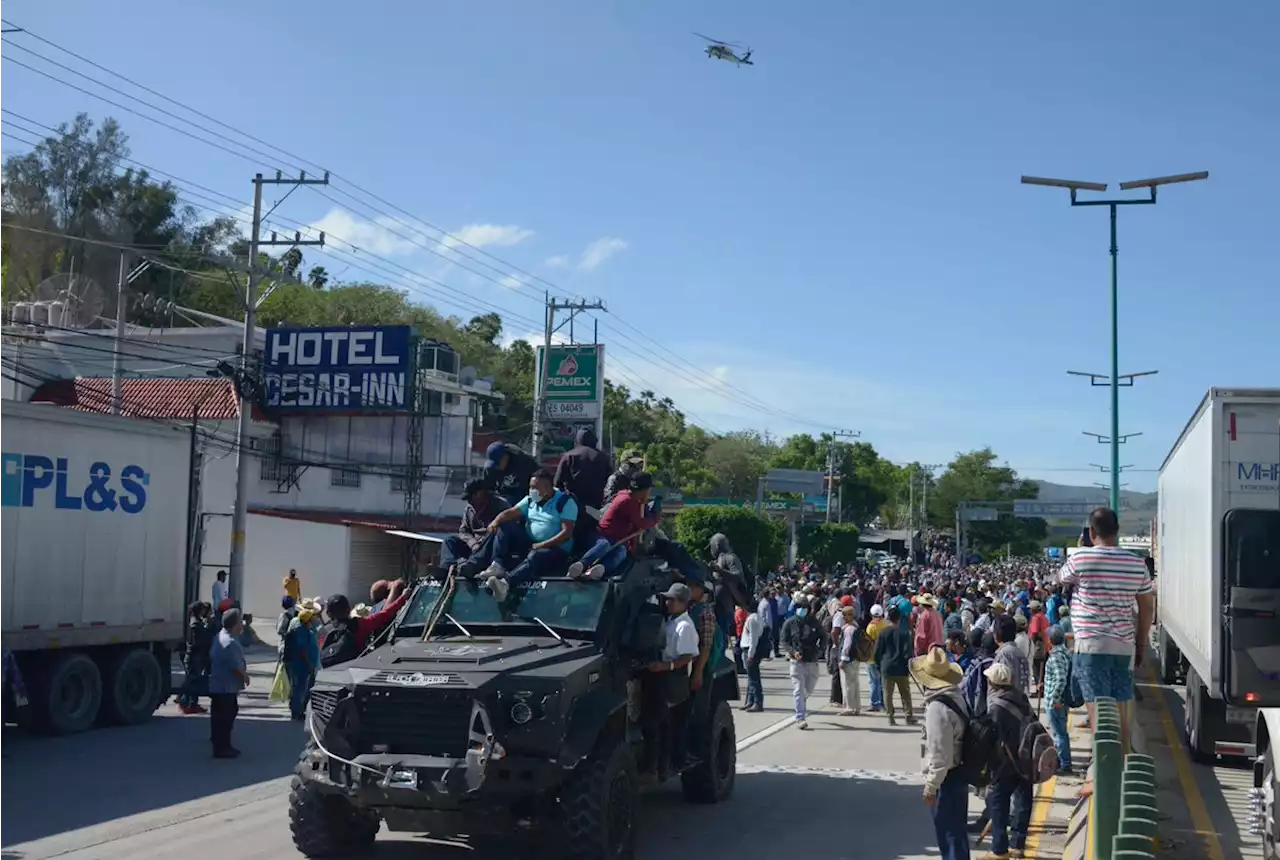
column 1106, row 580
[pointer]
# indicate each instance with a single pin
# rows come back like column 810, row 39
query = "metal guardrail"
column 1122, row 814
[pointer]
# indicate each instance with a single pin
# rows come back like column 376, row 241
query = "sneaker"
column 495, row 569
column 893, row 721
column 803, row 725
column 498, row 587
column 912, row 721
column 596, row 572
column 189, row 709
column 467, row 569
column 201, row 709
column 847, row 713
column 576, row 570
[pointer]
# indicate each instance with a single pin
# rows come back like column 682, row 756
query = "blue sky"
column 838, row 231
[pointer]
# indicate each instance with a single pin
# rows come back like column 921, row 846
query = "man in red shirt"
column 622, row 522
column 1038, row 630
column 358, row 630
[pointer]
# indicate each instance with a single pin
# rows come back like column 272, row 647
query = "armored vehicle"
column 485, row 720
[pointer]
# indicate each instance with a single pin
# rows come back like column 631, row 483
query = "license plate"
column 1243, row 716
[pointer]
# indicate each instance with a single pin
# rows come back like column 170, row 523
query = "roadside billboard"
column 338, row 369
column 572, row 377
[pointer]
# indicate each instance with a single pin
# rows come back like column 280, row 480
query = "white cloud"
column 511, row 282
column 599, row 251
column 486, row 235
column 592, row 257
column 347, row 232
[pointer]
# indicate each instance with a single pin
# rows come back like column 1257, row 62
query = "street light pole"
column 1074, row 186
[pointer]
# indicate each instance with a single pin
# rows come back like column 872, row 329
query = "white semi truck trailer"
column 94, row 548
column 1218, row 583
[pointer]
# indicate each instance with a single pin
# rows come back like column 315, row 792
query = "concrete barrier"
column 1119, row 820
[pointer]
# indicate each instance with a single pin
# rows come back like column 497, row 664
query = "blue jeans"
column 537, row 563
column 951, row 817
column 605, row 553
column 876, row 682
column 455, row 549
column 1061, row 740
column 299, row 686
column 1009, row 805
column 494, row 547
column 755, row 687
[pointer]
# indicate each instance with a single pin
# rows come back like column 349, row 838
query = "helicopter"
column 718, row 50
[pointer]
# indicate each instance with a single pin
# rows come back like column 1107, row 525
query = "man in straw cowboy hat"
column 946, row 788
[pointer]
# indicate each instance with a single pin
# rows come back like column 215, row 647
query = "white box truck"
column 1218, row 568
column 94, row 542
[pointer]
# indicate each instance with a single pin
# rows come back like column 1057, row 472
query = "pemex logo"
column 569, row 379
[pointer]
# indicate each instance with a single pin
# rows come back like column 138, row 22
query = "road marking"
column 1195, row 800
column 896, row 777
column 1040, row 808
column 752, row 740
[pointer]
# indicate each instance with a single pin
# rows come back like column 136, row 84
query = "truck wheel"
column 1193, row 721
column 68, row 698
column 327, row 825
column 133, row 688
column 598, row 807
column 712, row 781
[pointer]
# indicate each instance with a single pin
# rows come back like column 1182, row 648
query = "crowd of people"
column 980, row 641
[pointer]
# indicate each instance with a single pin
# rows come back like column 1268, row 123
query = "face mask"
column 802, row 612
column 535, row 496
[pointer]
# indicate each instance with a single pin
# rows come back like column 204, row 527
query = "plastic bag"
column 280, row 688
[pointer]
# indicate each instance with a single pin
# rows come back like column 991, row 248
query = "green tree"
column 738, row 460
column 975, row 476
column 828, row 543
column 758, row 541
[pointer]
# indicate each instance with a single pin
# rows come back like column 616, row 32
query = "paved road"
column 151, row 792
column 1206, row 805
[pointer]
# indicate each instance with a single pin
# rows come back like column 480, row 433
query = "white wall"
column 318, row 551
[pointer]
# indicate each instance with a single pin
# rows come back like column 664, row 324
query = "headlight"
column 521, row 713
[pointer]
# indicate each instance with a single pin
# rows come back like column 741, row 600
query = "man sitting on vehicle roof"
column 620, row 526
column 548, row 516
column 471, row 549
column 508, row 469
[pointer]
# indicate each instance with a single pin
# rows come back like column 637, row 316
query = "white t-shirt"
column 682, row 638
column 219, row 592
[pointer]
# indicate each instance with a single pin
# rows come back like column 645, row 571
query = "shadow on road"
column 764, row 807
column 1223, row 787
column 77, row 781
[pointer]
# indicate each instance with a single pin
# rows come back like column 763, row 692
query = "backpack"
column 979, row 747
column 339, row 643
column 1072, row 696
column 1036, row 758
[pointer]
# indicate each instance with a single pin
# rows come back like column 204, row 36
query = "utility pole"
column 117, row 361
column 1115, row 383
column 122, row 310
column 831, row 468
column 574, row 307
column 244, row 426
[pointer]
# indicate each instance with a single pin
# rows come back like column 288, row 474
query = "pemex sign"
column 573, row 380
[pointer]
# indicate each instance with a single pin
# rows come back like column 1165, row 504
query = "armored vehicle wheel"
column 325, row 825
column 717, row 747
column 598, row 807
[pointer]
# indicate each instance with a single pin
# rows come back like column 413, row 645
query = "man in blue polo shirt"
column 548, row 516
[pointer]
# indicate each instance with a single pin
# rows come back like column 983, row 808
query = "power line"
column 750, row 400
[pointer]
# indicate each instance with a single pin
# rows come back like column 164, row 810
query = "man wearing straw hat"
column 946, row 789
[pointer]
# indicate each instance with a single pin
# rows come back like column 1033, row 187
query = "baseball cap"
column 678, row 591
column 632, row 455
column 493, row 454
